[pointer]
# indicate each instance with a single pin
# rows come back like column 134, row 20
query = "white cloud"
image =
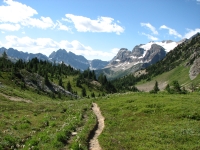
column 150, row 37
column 9, row 27
column 15, row 13
column 43, row 22
column 102, row 24
column 152, row 28
column 171, row 31
column 190, row 32
column 198, row 0
column 62, row 27
column 47, row 46
column 115, row 50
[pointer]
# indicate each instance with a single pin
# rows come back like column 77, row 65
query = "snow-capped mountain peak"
column 168, row 45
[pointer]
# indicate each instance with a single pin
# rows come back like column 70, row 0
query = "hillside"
column 180, row 64
column 55, row 80
column 47, row 106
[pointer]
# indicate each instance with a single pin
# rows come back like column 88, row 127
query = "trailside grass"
column 150, row 121
column 44, row 123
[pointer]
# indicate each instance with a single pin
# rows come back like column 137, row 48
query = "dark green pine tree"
column 156, row 88
column 176, row 86
column 46, row 79
column 168, row 88
column 92, row 94
column 69, row 87
column 60, row 83
column 84, row 94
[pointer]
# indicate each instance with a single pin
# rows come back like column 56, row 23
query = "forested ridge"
column 52, row 72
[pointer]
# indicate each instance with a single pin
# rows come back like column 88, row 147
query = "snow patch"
column 168, row 46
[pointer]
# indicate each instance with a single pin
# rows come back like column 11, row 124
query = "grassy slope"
column 144, row 121
column 180, row 73
column 44, row 123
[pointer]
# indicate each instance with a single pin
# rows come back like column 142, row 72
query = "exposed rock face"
column 37, row 82
column 15, row 54
column 97, row 64
column 76, row 61
column 143, row 55
column 194, row 69
column 154, row 54
column 121, row 56
column 137, row 51
column 126, row 59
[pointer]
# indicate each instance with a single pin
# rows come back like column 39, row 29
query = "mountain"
column 97, row 64
column 181, row 64
column 61, row 55
column 141, row 56
column 15, row 54
column 69, row 58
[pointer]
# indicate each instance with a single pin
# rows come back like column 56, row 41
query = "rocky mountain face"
column 97, row 64
column 141, row 56
column 69, row 58
column 36, row 82
column 61, row 55
column 186, row 54
column 15, row 54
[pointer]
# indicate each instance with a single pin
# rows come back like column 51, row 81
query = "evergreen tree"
column 84, row 94
column 60, row 83
column 156, row 88
column 94, row 75
column 78, row 83
column 92, row 94
column 176, row 86
column 168, row 88
column 69, row 87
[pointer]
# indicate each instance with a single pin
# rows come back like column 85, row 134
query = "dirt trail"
column 17, row 99
column 94, row 143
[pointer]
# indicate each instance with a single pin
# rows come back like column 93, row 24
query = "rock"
column 74, row 133
column 194, row 69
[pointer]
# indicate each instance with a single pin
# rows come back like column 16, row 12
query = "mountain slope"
column 69, row 58
column 141, row 56
column 181, row 64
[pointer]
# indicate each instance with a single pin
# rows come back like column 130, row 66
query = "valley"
column 48, row 105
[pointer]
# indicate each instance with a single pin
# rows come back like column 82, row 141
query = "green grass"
column 180, row 73
column 148, row 121
column 44, row 123
column 132, row 120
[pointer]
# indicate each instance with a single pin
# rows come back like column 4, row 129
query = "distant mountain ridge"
column 61, row 55
column 123, row 63
column 141, row 56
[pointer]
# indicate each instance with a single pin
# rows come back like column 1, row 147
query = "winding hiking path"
column 17, row 99
column 94, row 143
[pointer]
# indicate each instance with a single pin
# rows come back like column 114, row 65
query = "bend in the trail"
column 94, row 143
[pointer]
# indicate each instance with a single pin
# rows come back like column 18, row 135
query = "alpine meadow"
column 69, row 81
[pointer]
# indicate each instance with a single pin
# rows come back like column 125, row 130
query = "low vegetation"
column 150, row 121
column 43, row 123
column 44, row 105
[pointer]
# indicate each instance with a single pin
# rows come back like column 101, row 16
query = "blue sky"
column 96, row 29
